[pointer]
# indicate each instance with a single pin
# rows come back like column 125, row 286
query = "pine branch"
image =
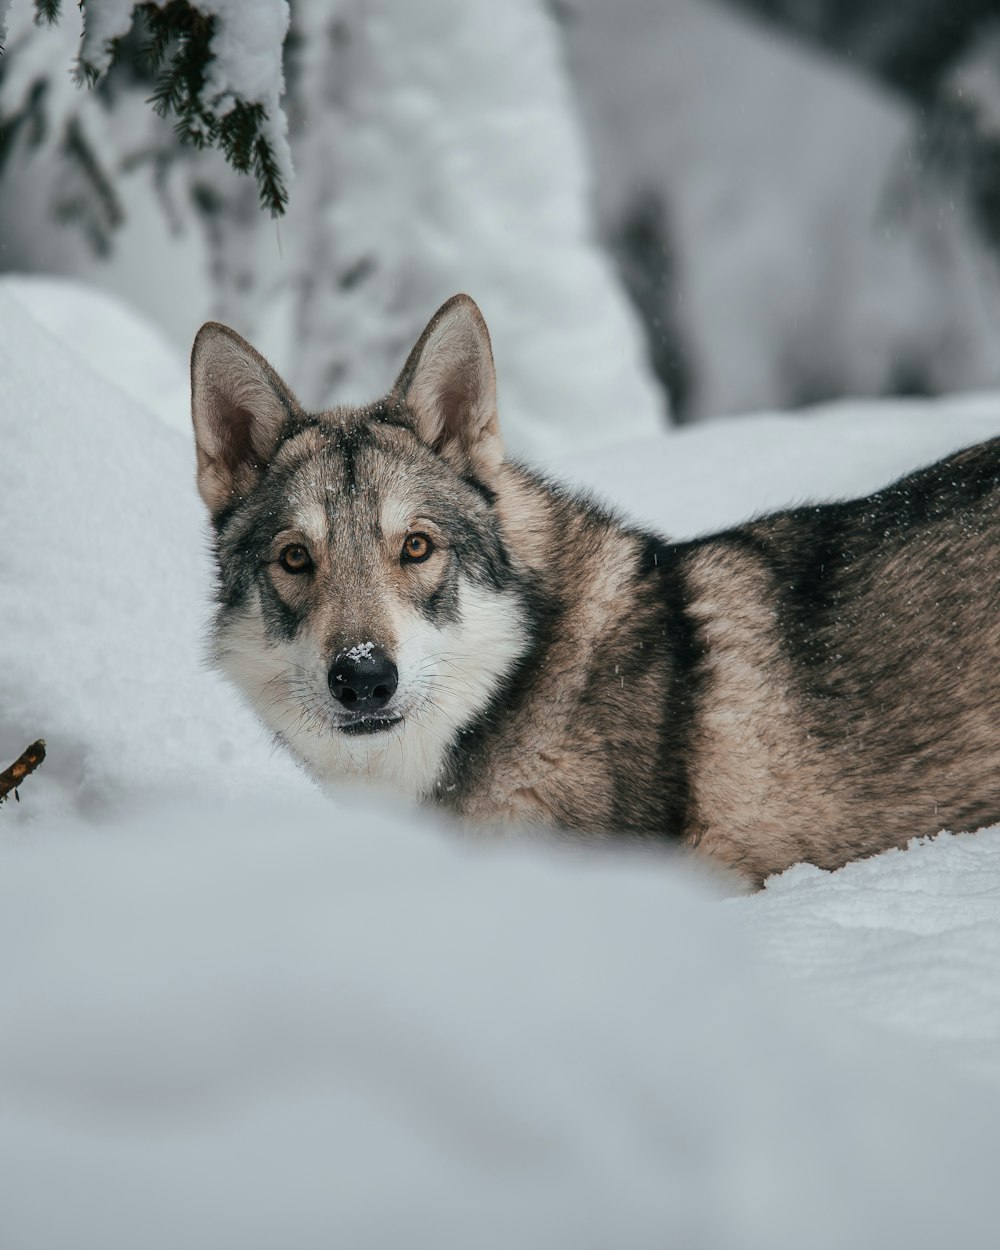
column 246, row 149
column 179, row 90
column 47, row 11
column 273, row 193
column 177, row 51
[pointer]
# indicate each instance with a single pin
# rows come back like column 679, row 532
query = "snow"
column 718, row 474
column 239, row 1027
column 908, row 940
column 104, row 21
column 437, row 150
column 810, row 254
column 247, row 49
column 105, row 333
column 238, row 1013
column 104, row 540
column 29, row 54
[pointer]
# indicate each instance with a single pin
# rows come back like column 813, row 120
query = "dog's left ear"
column 449, row 386
column 239, row 407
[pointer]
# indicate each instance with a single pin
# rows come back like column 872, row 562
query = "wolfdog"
column 401, row 602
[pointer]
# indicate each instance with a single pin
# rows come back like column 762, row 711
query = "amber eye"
column 295, row 559
column 416, row 548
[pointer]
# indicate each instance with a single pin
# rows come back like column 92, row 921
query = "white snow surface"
column 238, row 1013
column 101, row 330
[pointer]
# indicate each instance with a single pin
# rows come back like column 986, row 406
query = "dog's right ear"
column 239, row 407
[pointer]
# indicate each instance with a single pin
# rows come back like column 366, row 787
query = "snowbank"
column 700, row 479
column 237, row 1014
column 103, row 334
column 106, row 575
column 909, row 940
column 304, row 1026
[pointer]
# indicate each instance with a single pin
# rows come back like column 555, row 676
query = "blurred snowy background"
column 668, row 209
column 236, row 1014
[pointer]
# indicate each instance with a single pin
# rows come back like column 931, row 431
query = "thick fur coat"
column 402, row 603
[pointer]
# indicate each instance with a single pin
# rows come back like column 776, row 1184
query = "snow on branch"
column 218, row 70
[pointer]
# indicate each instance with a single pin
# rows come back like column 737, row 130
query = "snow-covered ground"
column 235, row 1013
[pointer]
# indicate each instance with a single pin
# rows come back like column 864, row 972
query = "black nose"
column 363, row 679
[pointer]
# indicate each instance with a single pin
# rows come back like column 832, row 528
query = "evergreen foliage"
column 178, row 50
column 174, row 54
column 47, row 10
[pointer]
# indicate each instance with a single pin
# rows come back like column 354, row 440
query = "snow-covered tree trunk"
column 437, row 151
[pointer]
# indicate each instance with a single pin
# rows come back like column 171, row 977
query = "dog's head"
column 368, row 607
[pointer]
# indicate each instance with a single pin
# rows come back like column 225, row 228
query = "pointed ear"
column 449, row 386
column 239, row 406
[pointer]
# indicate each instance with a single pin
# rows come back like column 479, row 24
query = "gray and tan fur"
column 817, row 685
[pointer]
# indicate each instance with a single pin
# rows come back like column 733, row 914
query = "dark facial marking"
column 242, row 544
column 442, row 605
column 348, row 444
column 489, row 497
column 281, row 619
column 463, row 508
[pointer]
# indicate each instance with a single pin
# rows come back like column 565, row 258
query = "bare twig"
column 27, row 762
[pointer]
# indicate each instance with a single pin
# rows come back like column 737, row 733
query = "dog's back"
column 818, row 684
column 851, row 675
